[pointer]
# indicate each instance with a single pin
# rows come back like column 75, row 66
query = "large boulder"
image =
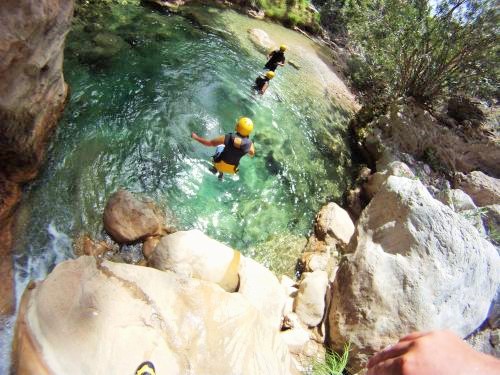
column 193, row 254
column 106, row 318
column 415, row 265
column 128, row 218
column 483, row 189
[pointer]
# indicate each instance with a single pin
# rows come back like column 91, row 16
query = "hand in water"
column 432, row 353
column 194, row 135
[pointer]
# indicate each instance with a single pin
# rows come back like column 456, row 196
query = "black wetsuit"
column 260, row 81
column 276, row 57
column 237, row 146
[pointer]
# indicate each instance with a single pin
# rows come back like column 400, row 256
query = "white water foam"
column 35, row 266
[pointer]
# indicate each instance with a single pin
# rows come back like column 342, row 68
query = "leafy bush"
column 423, row 51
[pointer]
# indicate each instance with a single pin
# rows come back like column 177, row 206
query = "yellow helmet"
column 283, row 48
column 244, row 126
column 270, row 74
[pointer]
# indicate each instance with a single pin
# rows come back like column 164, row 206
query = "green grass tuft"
column 334, row 363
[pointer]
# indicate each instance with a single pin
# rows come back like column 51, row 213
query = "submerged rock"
column 415, row 265
column 128, row 219
column 89, row 318
column 261, row 40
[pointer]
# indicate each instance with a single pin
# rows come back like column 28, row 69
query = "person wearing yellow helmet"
column 276, row 58
column 262, row 82
column 231, row 147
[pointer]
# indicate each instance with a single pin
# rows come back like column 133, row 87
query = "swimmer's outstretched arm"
column 208, row 142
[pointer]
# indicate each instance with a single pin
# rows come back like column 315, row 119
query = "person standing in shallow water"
column 262, row 82
column 276, row 58
column 230, row 147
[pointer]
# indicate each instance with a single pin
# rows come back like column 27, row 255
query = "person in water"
column 230, row 147
column 262, row 82
column 276, row 58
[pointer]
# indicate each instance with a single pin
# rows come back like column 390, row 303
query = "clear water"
column 133, row 106
column 129, row 121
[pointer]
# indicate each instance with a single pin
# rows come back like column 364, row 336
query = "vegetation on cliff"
column 426, row 50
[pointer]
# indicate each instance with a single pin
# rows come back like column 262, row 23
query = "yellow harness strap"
column 223, row 167
column 237, row 142
column 145, row 370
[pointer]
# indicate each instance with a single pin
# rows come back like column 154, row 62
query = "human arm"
column 208, row 142
column 251, row 152
column 432, row 353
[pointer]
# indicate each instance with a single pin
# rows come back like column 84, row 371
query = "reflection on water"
column 141, row 83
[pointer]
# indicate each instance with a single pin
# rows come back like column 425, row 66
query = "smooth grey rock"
column 415, row 265
column 457, row 199
column 334, row 222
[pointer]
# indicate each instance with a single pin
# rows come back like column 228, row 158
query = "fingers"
column 389, row 367
column 414, row 336
column 390, row 352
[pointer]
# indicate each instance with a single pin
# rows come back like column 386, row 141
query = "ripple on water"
column 129, row 121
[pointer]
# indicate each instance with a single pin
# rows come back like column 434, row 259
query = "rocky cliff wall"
column 32, row 97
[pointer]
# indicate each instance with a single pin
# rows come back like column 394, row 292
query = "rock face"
column 483, row 189
column 310, row 301
column 335, row 222
column 415, row 265
column 32, row 98
column 261, row 40
column 193, row 254
column 411, row 129
column 128, row 219
column 457, row 200
column 90, row 318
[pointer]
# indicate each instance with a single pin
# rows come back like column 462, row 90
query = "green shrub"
column 423, row 51
column 334, row 363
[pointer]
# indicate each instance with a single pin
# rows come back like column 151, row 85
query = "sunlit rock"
column 334, row 222
column 310, row 301
column 193, row 254
column 90, row 318
column 457, row 199
column 415, row 265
